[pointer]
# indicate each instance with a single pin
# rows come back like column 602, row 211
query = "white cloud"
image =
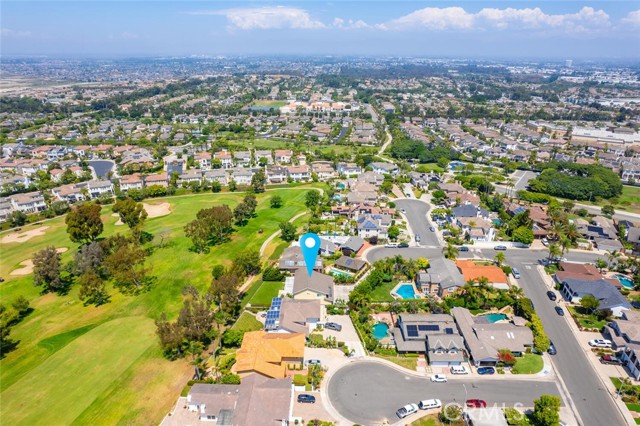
column 456, row 18
column 632, row 19
column 350, row 24
column 9, row 33
column 126, row 35
column 433, row 18
column 265, row 18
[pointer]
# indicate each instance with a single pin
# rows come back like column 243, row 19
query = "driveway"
column 369, row 392
column 348, row 334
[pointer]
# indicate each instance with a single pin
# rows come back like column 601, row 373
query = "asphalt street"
column 591, row 400
column 416, row 214
column 370, row 393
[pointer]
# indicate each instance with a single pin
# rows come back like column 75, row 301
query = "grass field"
column 383, row 292
column 247, row 322
column 528, row 364
column 103, row 365
column 267, row 291
column 266, row 103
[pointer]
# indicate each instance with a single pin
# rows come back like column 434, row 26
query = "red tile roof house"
column 161, row 179
column 133, row 181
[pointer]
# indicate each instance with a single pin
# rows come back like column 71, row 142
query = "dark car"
column 476, row 403
column 500, row 248
column 306, row 399
column 486, row 370
column 432, row 229
column 610, row 359
column 333, row 326
column 403, row 245
column 463, row 248
column 552, row 349
column 559, row 311
column 551, row 295
column 635, row 304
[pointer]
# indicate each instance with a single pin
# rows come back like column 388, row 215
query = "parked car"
column 516, row 273
column 403, row 211
column 559, row 311
column 407, row 410
column 391, row 245
column 610, row 359
column 552, row 295
column 545, row 242
column 306, row 399
column 463, row 248
column 500, row 248
column 476, row 403
column 635, row 304
column 486, row 370
column 432, row 229
column 600, row 343
column 403, row 245
column 429, row 404
column 333, row 326
column 552, row 349
column 458, row 369
column 417, row 238
column 313, row 362
column 439, row 378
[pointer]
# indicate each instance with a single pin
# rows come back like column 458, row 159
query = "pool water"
column 335, row 271
column 495, row 317
column 455, row 165
column 380, row 330
column 406, row 291
column 625, row 281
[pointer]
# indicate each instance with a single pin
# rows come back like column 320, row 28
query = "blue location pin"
column 310, row 246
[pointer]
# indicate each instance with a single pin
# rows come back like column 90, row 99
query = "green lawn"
column 91, row 365
column 383, row 292
column 428, row 420
column 633, row 407
column 428, row 167
column 266, row 103
column 267, row 291
column 406, row 362
column 586, row 320
column 528, row 364
column 630, row 198
column 247, row 322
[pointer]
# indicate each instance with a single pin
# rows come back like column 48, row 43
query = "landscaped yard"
column 402, row 361
column 383, row 292
column 586, row 320
column 267, row 291
column 247, row 322
column 428, row 420
column 528, row 364
column 90, row 365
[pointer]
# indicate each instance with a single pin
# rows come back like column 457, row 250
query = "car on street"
column 552, row 349
column 391, row 245
column 403, row 211
column 439, row 378
column 432, row 229
column 407, row 410
column 417, row 238
column 306, row 399
column 552, row 295
column 500, row 248
column 463, row 248
column 516, row 273
column 486, row 370
column 610, row 359
column 476, row 403
column 429, row 404
column 403, row 245
column 333, row 326
column 600, row 343
column 458, row 369
column 559, row 311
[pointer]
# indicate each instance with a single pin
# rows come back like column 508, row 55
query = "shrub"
column 300, row 380
column 272, row 274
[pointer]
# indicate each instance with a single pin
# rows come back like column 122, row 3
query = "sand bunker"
column 27, row 265
column 24, row 236
column 153, row 210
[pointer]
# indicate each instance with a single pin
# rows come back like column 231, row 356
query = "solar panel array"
column 273, row 314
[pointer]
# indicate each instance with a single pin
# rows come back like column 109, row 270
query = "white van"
column 429, row 404
column 458, row 369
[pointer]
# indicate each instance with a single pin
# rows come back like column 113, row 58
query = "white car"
column 429, row 404
column 407, row 410
column 458, row 369
column 600, row 343
column 439, row 378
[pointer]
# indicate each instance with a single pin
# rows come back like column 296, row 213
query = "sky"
column 493, row 29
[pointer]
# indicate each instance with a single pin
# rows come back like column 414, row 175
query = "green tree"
column 233, row 186
column 224, row 291
column 393, row 232
column 288, row 231
column 217, row 271
column 126, row 265
column 499, row 258
column 171, row 336
column 131, row 213
column 608, row 210
column 311, row 199
column 84, row 223
column 247, row 262
column 451, row 414
column 216, row 186
column 275, row 202
column 589, row 303
column 17, row 218
column 601, row 264
column 522, row 235
column 92, row 289
column 232, row 338
column 422, row 263
column 46, row 270
column 257, row 181
column 546, row 411
column 450, row 251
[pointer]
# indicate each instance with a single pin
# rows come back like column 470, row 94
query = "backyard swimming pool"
column 380, row 330
column 625, row 281
column 494, row 317
column 335, row 271
column 406, row 291
column 455, row 165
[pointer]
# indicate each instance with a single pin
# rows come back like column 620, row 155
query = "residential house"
column 476, row 228
column 5, row 209
column 624, row 332
column 203, row 160
column 350, row 264
column 71, row 193
column 276, row 174
column 265, row 156
column 352, row 245
column 133, row 181
column 190, row 176
column 296, row 316
column 484, row 340
column 473, row 272
column 292, row 259
column 98, row 188
column 269, row 354
column 607, row 294
column 323, row 169
column 317, row 286
column 373, row 225
column 243, row 158
column 161, row 179
column 485, row 417
column 241, row 176
column 226, row 160
column 31, row 202
column 384, row 168
column 299, row 173
column 349, row 169
column 257, row 400
column 217, row 175
column 283, row 156
column 443, row 278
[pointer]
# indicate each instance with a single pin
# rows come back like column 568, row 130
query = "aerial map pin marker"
column 310, row 246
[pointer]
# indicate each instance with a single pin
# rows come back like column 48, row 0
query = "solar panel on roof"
column 412, row 330
column 349, row 262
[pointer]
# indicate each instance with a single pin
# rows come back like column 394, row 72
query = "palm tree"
column 565, row 243
column 516, row 292
column 450, row 251
column 554, row 251
column 613, row 256
column 571, row 232
column 499, row 258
